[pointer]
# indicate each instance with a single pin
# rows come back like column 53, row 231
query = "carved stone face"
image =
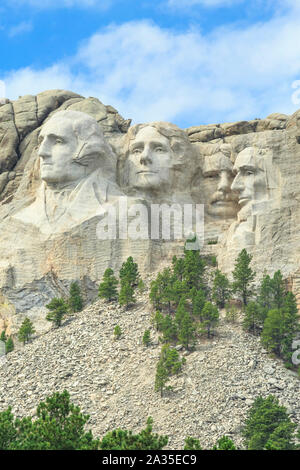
column 150, row 160
column 220, row 200
column 250, row 181
column 58, row 147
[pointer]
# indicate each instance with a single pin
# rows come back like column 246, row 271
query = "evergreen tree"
column 199, row 300
column 181, row 311
column 146, row 338
column 243, row 276
column 190, row 443
column 225, row 443
column 161, row 290
column 268, row 426
column 221, row 291
column 265, row 296
column 75, row 299
column 193, row 267
column 169, row 330
column 129, row 273
column 108, row 286
column 168, row 364
column 186, row 331
column 3, row 336
column 179, row 289
column 254, row 318
column 178, row 267
column 141, row 286
column 58, row 309
column 120, row 439
column 26, row 331
column 158, row 320
column 59, row 425
column 281, row 327
column 278, row 289
column 9, row 345
column 117, row 332
column 210, row 317
column 126, row 295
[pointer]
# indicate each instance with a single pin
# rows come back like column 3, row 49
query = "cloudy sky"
column 190, row 62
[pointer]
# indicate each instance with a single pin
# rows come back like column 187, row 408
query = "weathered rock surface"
column 113, row 381
column 246, row 174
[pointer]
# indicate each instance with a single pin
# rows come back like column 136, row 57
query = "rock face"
column 81, row 190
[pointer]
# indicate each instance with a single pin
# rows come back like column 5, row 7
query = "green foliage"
column 58, row 309
column 59, row 425
column 169, row 364
column 126, row 295
column 268, row 426
column 75, row 300
column 117, row 332
column 281, row 327
column 199, row 300
column 221, row 291
column 243, row 276
column 231, row 314
column 9, row 345
column 193, row 268
column 190, row 443
column 169, row 329
column 178, row 267
column 26, row 331
column 3, row 336
column 158, row 320
column 210, row 317
column 254, row 318
column 225, row 443
column 146, row 338
column 141, row 286
column 186, row 331
column 108, row 287
column 119, row 439
column 129, row 273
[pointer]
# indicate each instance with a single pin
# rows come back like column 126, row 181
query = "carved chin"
column 222, row 209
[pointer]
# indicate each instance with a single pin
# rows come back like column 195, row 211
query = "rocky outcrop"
column 71, row 166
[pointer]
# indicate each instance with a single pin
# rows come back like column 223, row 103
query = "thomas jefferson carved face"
column 150, row 160
column 220, row 200
column 251, row 180
column 57, row 150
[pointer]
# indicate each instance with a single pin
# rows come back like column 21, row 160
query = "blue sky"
column 190, row 62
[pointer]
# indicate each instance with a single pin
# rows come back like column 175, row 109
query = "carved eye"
column 136, row 151
column 159, row 149
column 59, row 141
column 249, row 172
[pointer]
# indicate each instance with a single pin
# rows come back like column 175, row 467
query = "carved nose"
column 236, row 184
column 145, row 156
column 44, row 150
column 224, row 183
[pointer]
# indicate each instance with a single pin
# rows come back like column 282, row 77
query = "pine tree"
column 3, row 336
column 191, row 443
column 178, row 267
column 26, row 331
column 199, row 300
column 117, row 332
column 169, row 330
column 280, row 328
column 129, row 273
column 186, row 331
column 210, row 317
column 193, row 268
column 253, row 319
column 221, row 291
column 225, row 443
column 126, row 295
column 168, row 364
column 58, row 309
column 108, row 286
column 243, row 276
column 9, row 345
column 268, row 426
column 146, row 338
column 75, row 300
column 265, row 296
column 278, row 289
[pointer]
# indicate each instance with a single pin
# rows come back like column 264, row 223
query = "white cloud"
column 21, row 28
column 149, row 73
